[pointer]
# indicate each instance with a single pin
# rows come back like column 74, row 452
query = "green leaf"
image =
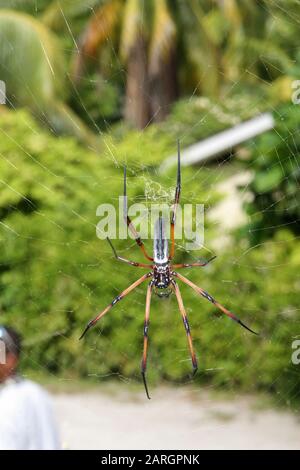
column 267, row 180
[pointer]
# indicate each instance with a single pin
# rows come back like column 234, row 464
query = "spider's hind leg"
column 186, row 326
column 208, row 297
column 115, row 300
column 146, row 328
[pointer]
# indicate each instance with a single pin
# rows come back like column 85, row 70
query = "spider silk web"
column 226, row 184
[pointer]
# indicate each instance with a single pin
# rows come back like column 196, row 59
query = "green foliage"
column 199, row 117
column 275, row 196
column 29, row 6
column 32, row 65
column 97, row 101
column 194, row 118
column 56, row 274
column 219, row 48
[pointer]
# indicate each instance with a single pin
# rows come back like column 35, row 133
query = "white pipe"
column 221, row 142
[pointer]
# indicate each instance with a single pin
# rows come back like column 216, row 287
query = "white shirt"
column 26, row 417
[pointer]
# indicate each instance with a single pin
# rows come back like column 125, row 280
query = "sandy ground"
column 173, row 419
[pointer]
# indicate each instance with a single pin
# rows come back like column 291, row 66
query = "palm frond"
column 163, row 40
column 205, row 53
column 231, row 12
column 100, row 27
column 27, row 6
column 58, row 12
column 268, row 53
column 99, row 30
column 132, row 27
column 32, row 67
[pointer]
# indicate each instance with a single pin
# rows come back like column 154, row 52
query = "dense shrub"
column 56, row 274
column 274, row 159
column 191, row 120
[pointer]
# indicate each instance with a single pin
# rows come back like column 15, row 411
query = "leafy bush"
column 191, row 120
column 56, row 274
column 100, row 101
column 275, row 185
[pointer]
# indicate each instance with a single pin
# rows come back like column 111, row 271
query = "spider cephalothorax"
column 162, row 280
column 162, row 276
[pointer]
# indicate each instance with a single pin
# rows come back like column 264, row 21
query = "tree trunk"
column 163, row 89
column 137, row 103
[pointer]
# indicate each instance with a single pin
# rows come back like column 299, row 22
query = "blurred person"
column 26, row 416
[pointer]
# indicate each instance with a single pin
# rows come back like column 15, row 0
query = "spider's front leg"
column 176, row 202
column 132, row 263
column 130, row 225
column 193, row 265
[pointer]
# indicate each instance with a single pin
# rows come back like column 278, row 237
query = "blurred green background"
column 94, row 84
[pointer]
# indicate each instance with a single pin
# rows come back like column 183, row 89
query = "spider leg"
column 186, row 326
column 146, row 327
column 204, row 294
column 116, row 299
column 132, row 263
column 130, row 224
column 176, row 202
column 192, row 265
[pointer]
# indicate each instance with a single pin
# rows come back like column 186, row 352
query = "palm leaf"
column 28, row 6
column 163, row 40
column 204, row 55
column 132, row 27
column 98, row 31
column 59, row 12
column 100, row 27
column 231, row 12
column 267, row 52
column 31, row 65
